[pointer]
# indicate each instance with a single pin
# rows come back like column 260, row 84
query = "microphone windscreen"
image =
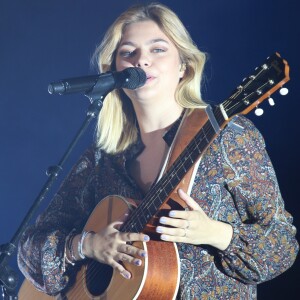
column 135, row 78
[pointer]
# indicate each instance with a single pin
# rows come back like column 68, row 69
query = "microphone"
column 130, row 78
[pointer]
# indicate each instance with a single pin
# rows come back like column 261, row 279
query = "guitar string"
column 79, row 288
column 93, row 269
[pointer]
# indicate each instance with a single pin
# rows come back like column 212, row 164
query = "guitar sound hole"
column 98, row 277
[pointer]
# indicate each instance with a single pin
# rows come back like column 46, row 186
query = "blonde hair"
column 116, row 127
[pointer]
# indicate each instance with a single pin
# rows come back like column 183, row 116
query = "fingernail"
column 138, row 262
column 164, row 237
column 163, row 220
column 146, row 238
column 172, row 213
column 126, row 275
column 159, row 229
column 144, row 254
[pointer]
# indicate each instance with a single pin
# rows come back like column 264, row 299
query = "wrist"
column 221, row 235
column 84, row 244
column 71, row 250
column 77, row 246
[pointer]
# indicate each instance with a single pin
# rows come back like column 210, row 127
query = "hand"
column 110, row 246
column 194, row 226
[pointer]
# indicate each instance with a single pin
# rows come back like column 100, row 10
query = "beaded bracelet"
column 80, row 243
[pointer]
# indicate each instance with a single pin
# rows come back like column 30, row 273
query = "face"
column 144, row 45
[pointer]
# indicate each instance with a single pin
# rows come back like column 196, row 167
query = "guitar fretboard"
column 160, row 192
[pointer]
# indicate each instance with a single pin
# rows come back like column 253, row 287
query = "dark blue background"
column 42, row 41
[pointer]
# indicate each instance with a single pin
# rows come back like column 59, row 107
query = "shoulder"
column 88, row 159
column 240, row 131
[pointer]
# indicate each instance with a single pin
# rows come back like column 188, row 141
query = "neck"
column 156, row 118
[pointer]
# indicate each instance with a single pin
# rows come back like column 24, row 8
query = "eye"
column 159, row 50
column 126, row 53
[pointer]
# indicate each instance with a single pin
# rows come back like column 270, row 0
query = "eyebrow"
column 129, row 43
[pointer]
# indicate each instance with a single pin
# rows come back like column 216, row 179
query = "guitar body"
column 157, row 278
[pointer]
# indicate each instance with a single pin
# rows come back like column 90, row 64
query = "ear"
column 182, row 70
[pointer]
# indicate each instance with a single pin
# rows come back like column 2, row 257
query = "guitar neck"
column 160, row 192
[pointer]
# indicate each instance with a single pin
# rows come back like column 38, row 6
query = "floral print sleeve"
column 263, row 244
column 236, row 183
column 41, row 249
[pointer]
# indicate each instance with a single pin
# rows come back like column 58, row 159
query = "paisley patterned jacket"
column 234, row 183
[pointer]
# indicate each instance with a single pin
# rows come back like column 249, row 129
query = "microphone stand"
column 8, row 277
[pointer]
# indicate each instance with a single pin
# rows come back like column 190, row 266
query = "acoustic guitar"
column 158, row 277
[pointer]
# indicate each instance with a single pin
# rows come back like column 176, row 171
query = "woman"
column 235, row 232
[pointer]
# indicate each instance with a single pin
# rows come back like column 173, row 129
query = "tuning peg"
column 283, row 91
column 258, row 111
column 271, row 101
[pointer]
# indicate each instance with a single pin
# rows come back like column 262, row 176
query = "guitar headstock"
column 266, row 79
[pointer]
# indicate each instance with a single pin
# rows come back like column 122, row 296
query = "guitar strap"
column 191, row 124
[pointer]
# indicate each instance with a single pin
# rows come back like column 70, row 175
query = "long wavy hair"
column 117, row 126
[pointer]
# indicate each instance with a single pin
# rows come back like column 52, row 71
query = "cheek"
column 170, row 65
column 172, row 72
column 121, row 64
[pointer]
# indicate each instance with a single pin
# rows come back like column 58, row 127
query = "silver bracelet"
column 80, row 243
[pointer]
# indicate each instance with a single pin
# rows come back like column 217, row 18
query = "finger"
column 119, row 221
column 177, row 232
column 181, row 220
column 127, row 258
column 116, row 225
column 186, row 216
column 175, row 239
column 134, row 237
column 188, row 200
column 120, row 268
column 131, row 250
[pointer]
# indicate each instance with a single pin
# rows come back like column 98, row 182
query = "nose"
column 142, row 60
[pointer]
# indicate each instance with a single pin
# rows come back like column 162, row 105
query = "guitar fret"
column 131, row 227
column 169, row 187
column 159, row 199
column 197, row 147
column 138, row 228
column 218, row 114
column 145, row 216
column 204, row 136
